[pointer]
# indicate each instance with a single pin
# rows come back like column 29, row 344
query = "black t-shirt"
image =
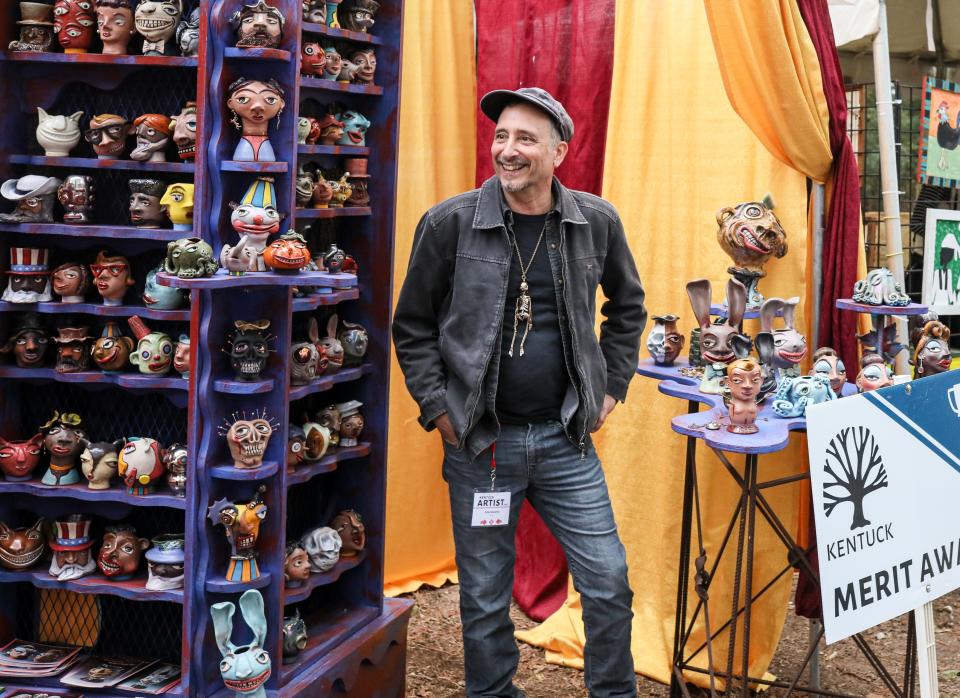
column 531, row 388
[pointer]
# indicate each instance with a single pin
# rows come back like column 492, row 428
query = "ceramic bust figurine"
column 145, row 208
column 296, row 566
column 21, row 548
column 296, row 443
column 304, row 189
column 249, row 349
column 111, row 350
column 73, row 23
column 874, row 373
column 312, row 60
column 157, row 23
column 108, row 136
column 241, row 521
column 322, row 192
column 190, row 258
column 121, row 552
column 717, row 341
column 73, row 349
column 254, row 219
column 29, row 342
column 245, row 668
column 64, row 441
column 932, row 354
column 751, row 234
column 349, row 525
column 354, row 339
column 342, row 190
column 330, row 347
column 98, row 463
column 355, row 127
column 71, row 281
column 175, row 461
column 29, row 276
column 258, row 25
column 784, row 348
column 181, row 356
column 351, row 422
column 165, row 562
column 248, row 439
column 115, row 25
column 288, row 253
column 331, row 130
column 303, row 129
column 71, row 543
column 315, row 11
column 112, row 277
column 358, row 15
column 880, row 288
column 77, row 196
column 33, row 195
column 743, row 380
column 827, row 363
column 333, row 65
column 364, row 62
column 18, row 459
column 294, row 637
column 178, row 203
column 323, row 548
column 153, row 132
column 253, row 103
column 188, row 34
column 140, row 464
column 317, row 439
column 154, row 352
column 360, row 194
column 184, row 127
column 36, row 28
column 795, row 394
column 58, row 135
column 161, row 297
column 664, row 342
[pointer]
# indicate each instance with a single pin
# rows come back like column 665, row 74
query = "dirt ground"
column 435, row 655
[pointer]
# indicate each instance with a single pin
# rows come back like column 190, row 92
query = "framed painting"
column 941, row 261
column 939, row 162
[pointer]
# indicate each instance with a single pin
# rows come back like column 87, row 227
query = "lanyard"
column 493, row 466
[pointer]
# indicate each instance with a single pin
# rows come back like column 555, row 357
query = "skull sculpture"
column 249, row 349
column 323, row 548
column 21, row 548
column 880, row 288
column 190, row 258
column 247, row 439
column 751, row 234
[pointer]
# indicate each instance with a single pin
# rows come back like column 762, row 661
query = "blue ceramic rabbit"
column 245, row 668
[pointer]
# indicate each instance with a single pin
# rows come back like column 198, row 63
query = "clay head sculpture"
column 99, row 463
column 161, row 297
column 181, row 356
column 664, row 342
column 334, row 257
column 827, row 363
column 296, row 445
column 76, row 195
column 184, row 127
column 241, row 520
column 188, row 34
column 71, row 281
column 294, row 636
column 157, row 22
column 73, row 349
column 874, row 373
column 351, row 422
column 58, row 135
column 112, row 348
column 322, row 192
column 795, row 394
column 175, row 461
column 296, row 566
column 115, row 25
column 64, row 441
column 304, row 362
column 363, row 63
column 33, row 195
column 258, row 25
column 751, row 234
column 146, row 210
column 330, row 347
column 18, row 459
column 315, row 11
column 312, row 59
column 29, row 342
column 717, row 343
column 932, row 354
column 178, row 202
column 888, row 335
column 153, row 132
column 71, row 543
column 21, row 548
column 248, row 438
column 73, row 23
column 29, row 274
column 121, row 552
column 317, row 441
column 165, row 560
column 140, row 464
column 334, row 64
column 355, row 127
column 154, row 352
column 330, row 418
column 744, row 381
column 249, row 349
column 349, row 526
column 36, row 28
column 303, row 129
column 245, row 668
column 305, row 184
column 190, row 258
column 253, row 104
column 358, row 15
column 880, row 288
column 323, row 548
column 287, row 253
column 255, row 218
column 111, row 276
column 108, row 135
column 360, row 193
column 786, row 347
column 331, row 130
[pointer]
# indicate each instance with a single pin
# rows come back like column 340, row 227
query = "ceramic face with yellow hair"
column 178, row 201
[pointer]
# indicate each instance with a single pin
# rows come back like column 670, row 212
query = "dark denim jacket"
column 448, row 318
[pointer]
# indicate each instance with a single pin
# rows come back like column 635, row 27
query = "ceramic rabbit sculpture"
column 329, row 346
column 245, row 668
column 720, row 343
column 781, row 350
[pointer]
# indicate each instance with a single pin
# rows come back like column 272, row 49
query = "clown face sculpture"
column 296, row 566
column 162, row 297
column 73, row 349
column 795, row 394
column 77, row 196
column 154, row 353
column 355, row 127
column 21, row 548
column 190, row 258
column 349, row 526
column 253, row 104
column 294, row 637
column 874, row 373
column 249, row 349
column 64, row 440
column 242, row 523
column 153, row 132
column 181, row 356
column 827, row 363
column 99, row 463
column 157, row 22
column 165, row 560
column 115, row 25
column 312, row 60
column 108, row 135
column 175, row 461
column 73, row 23
column 255, row 218
column 111, row 276
column 880, row 288
column 178, row 203
column 751, row 234
column 323, row 548
column 664, row 342
column 111, row 350
column 258, row 25
column 71, row 545
column 184, row 127
column 296, row 446
column 121, row 552
column 29, row 342
column 18, row 459
column 248, row 439
column 71, row 281
column 932, row 354
column 188, row 34
column 140, row 464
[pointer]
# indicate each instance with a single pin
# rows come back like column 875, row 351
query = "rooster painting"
column 948, row 137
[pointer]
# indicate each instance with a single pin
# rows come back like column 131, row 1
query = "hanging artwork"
column 941, row 261
column 939, row 163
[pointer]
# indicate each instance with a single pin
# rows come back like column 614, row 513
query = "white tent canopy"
column 916, row 26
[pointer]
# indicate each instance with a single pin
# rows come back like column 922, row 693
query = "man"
column 494, row 332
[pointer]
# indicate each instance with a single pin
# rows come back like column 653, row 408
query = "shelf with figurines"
column 334, row 22
column 98, row 164
column 306, row 461
column 295, row 593
column 98, row 309
column 312, row 301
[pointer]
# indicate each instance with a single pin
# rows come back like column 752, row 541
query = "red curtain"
column 565, row 47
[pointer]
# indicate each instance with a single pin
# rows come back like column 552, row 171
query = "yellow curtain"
column 677, row 152
column 436, row 160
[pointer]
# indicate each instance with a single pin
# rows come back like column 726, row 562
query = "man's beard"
column 71, row 570
column 157, row 583
column 12, row 296
column 68, row 364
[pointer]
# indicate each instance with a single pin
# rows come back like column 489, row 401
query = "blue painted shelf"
column 138, row 381
column 302, row 593
column 324, row 30
column 98, row 58
column 253, row 167
column 260, row 278
column 98, row 164
column 912, row 309
column 114, row 232
column 235, row 387
column 222, row 586
column 230, row 472
column 257, row 54
column 317, row 300
column 98, row 309
column 117, row 494
column 339, row 212
column 353, row 150
column 307, row 471
column 325, row 382
column 332, row 86
column 133, row 589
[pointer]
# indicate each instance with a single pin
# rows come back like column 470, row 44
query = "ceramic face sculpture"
column 154, row 352
column 330, row 347
column 354, row 339
column 334, row 63
column 364, row 61
column 317, row 441
column 358, row 16
column 782, row 348
column 71, row 281
column 349, row 526
column 58, row 135
column 248, row 439
column 355, row 127
column 303, row 129
column 175, row 461
column 305, row 184
column 312, row 60
column 351, row 422
column 73, row 349
column 115, row 25
column 827, row 363
column 315, row 11
column 165, row 562
column 64, row 440
column 73, row 23
column 287, row 253
column 111, row 277
column 36, row 28
column 294, row 637
column 153, row 132
column 322, row 192
column 71, row 545
column 664, row 341
column 178, row 201
column 245, row 668
column 181, row 356
column 932, row 354
column 751, row 234
column 190, row 258
column 33, row 195
column 29, row 280
column 331, row 130
column 18, row 459
column 296, row 566
column 29, row 342
column 323, row 548
column 140, row 464
column 333, row 259
column 112, row 348
column 184, row 127
column 121, row 552
column 254, row 103
column 880, row 288
column 255, row 219
column 99, row 463
column 249, row 349
column 296, row 446
column 21, row 548
column 795, row 394
column 157, row 22
column 145, row 208
column 717, row 342
column 258, row 25
column 188, row 34
column 161, row 297
column 304, row 362
column 242, row 523
column 874, row 374
column 743, row 380
column 77, row 196
column 108, row 135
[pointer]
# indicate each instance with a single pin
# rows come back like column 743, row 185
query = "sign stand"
column 927, row 651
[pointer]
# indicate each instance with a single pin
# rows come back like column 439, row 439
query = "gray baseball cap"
column 494, row 102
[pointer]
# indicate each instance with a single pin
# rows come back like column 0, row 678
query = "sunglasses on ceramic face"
column 113, row 269
column 95, row 135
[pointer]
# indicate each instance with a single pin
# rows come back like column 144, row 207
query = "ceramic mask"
column 304, row 362
column 827, row 363
column 188, row 34
column 145, row 208
column 245, row 668
column 349, row 526
column 331, row 130
column 121, row 552
column 330, row 418
column 153, row 132
column 254, row 219
column 750, row 234
column 664, row 342
column 111, row 276
column 296, row 446
column 58, row 135
column 303, row 129
column 249, row 349
column 157, row 22
column 359, row 195
column 254, row 103
column 70, row 282
column 294, row 637
column 880, row 288
column 296, row 566
column 185, row 131
column 287, row 253
column 932, row 354
column 789, row 346
column 355, row 127
column 140, row 464
column 111, row 350
column 108, row 135
column 312, row 59
column 333, row 259
column 71, row 545
column 77, row 196
column 874, row 374
column 73, row 349
column 342, row 190
column 258, row 25
column 248, row 439
column 334, row 63
column 64, row 440
column 190, row 258
column 241, row 520
column 318, row 440
column 36, row 28
column 315, row 11
column 365, row 62
column 33, row 195
column 27, row 288
column 73, row 23
column 175, row 461
column 18, row 459
column 359, row 16
column 154, row 353
column 323, row 548
column 178, row 201
column 115, row 25
column 795, row 394
column 305, row 184
column 165, row 562
column 718, row 342
column 29, row 342
column 322, row 192
column 21, row 548
column 181, row 356
column 161, row 297
column 351, row 422
column 99, row 463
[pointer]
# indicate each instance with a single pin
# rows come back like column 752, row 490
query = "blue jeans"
column 538, row 462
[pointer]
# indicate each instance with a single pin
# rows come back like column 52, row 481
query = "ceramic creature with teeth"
column 781, row 348
column 184, row 127
column 250, row 349
column 21, row 548
column 245, row 668
column 248, row 439
column 121, row 552
column 720, row 344
column 751, row 234
column 242, row 523
column 156, row 22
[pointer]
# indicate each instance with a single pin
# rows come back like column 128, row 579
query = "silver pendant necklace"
column 523, row 311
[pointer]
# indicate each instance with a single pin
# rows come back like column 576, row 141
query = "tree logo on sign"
column 854, row 463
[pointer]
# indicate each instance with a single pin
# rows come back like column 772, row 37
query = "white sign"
column 885, row 476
